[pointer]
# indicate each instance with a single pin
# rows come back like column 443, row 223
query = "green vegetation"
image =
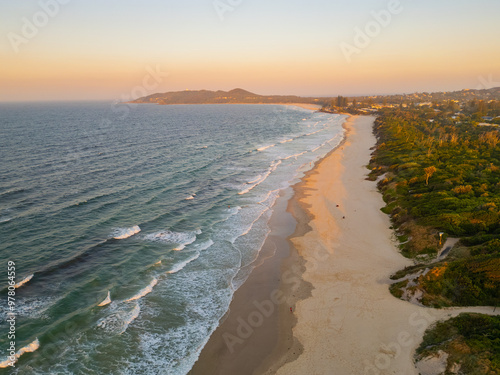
column 472, row 342
column 440, row 175
column 438, row 168
column 445, row 176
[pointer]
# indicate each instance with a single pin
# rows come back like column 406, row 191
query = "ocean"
column 131, row 226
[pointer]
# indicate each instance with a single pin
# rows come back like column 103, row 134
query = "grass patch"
column 395, row 289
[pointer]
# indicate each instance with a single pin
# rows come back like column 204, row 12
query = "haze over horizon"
column 75, row 50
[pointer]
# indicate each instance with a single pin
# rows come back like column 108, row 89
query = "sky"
column 123, row 49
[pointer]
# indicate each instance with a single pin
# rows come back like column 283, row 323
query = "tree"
column 341, row 101
column 481, row 107
column 429, row 171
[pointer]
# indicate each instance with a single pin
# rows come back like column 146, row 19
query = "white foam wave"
column 5, row 220
column 24, row 281
column 265, row 147
column 31, row 308
column 183, row 264
column 27, row 349
column 131, row 317
column 204, row 245
column 271, row 194
column 334, row 138
column 144, row 291
column 308, row 134
column 119, row 321
column 324, row 143
column 180, row 238
column 287, row 140
column 234, row 210
column 255, row 179
column 122, row 233
column 271, row 169
column 106, row 301
column 295, row 155
column 249, row 228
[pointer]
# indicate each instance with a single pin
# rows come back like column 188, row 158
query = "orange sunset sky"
column 106, row 50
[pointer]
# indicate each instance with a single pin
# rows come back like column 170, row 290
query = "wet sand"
column 259, row 321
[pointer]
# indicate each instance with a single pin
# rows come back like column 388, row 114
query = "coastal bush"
column 438, row 169
column 397, row 288
column 464, row 282
column 472, row 342
column 442, row 176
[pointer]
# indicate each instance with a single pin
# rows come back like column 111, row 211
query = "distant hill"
column 246, row 97
column 223, row 97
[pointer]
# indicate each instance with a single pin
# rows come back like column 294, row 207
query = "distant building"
column 487, row 124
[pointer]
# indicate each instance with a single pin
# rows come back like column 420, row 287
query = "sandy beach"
column 319, row 301
column 351, row 324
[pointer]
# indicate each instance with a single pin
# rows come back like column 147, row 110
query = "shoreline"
column 312, row 107
column 275, row 283
column 259, row 320
column 277, row 344
column 329, row 257
column 351, row 324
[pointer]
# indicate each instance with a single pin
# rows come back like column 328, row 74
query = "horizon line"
column 194, row 90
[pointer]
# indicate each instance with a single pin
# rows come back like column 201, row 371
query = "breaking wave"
column 122, row 233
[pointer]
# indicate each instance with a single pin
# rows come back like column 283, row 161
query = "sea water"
column 132, row 227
